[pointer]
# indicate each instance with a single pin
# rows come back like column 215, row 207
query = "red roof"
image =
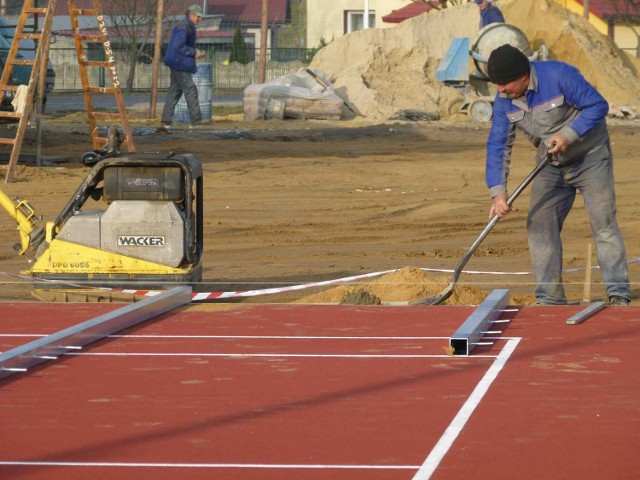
column 249, row 11
column 114, row 34
column 408, row 11
column 613, row 9
column 241, row 11
column 113, row 7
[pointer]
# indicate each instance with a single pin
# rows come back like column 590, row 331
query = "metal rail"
column 476, row 325
column 21, row 358
column 582, row 315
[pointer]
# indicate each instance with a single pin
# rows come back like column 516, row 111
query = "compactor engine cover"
column 149, row 229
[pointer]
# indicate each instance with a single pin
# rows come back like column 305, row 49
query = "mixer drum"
column 493, row 36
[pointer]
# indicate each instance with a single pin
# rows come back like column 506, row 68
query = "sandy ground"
column 295, row 202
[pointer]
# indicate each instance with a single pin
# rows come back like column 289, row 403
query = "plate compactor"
column 135, row 222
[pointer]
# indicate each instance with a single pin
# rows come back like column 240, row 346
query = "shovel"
column 324, row 85
column 446, row 293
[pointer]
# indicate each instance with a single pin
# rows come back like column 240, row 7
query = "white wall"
column 325, row 18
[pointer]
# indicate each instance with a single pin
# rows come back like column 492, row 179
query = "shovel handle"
column 528, row 179
column 446, row 293
column 316, row 78
column 516, row 193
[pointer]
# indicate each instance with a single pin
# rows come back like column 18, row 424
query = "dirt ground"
column 296, row 202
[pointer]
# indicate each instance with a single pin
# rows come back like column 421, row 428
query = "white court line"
column 424, row 471
column 455, row 427
column 234, row 337
column 250, row 355
column 257, row 355
column 212, row 465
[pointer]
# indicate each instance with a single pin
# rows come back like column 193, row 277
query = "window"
column 354, row 20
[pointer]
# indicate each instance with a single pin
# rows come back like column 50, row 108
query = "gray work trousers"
column 181, row 83
column 552, row 196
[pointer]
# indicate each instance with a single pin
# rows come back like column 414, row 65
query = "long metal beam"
column 582, row 315
column 21, row 358
column 477, row 324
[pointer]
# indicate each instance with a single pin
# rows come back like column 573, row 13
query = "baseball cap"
column 195, row 8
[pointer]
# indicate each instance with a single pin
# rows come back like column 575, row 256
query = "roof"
column 613, row 9
column 249, row 11
column 112, row 7
column 237, row 11
column 408, row 11
column 113, row 34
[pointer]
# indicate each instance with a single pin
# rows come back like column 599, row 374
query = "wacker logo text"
column 140, row 241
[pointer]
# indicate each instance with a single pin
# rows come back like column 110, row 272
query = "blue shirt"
column 491, row 14
column 558, row 100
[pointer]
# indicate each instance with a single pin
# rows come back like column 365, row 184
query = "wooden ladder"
column 38, row 66
column 109, row 65
column 42, row 41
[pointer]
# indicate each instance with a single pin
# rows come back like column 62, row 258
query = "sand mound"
column 382, row 71
column 403, row 285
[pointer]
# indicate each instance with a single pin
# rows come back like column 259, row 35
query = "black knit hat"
column 506, row 64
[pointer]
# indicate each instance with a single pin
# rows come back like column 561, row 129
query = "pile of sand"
column 383, row 71
column 403, row 285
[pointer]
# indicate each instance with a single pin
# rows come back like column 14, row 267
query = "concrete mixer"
column 453, row 70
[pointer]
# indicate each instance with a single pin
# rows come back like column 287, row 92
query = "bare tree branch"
column 440, row 4
column 133, row 24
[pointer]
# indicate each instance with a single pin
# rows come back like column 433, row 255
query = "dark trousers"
column 181, row 83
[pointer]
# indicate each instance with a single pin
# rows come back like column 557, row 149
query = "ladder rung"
column 106, row 115
column 23, row 62
column 35, row 10
column 96, row 63
column 13, row 88
column 100, row 90
column 95, row 38
column 83, row 11
column 32, row 36
column 7, row 141
column 10, row 115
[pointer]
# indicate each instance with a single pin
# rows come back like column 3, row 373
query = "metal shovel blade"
column 446, row 293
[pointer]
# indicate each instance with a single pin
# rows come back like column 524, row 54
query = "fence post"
column 212, row 61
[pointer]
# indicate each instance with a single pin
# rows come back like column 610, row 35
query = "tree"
column 133, row 25
column 238, row 48
column 313, row 51
column 440, row 4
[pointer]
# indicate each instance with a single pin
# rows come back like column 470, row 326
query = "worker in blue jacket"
column 563, row 115
column 489, row 13
column 181, row 57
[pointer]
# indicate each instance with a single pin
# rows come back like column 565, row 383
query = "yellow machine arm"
column 25, row 216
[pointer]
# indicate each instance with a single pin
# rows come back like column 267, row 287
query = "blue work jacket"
column 491, row 14
column 558, row 100
column 181, row 51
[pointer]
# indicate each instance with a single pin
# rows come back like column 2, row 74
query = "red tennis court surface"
column 324, row 392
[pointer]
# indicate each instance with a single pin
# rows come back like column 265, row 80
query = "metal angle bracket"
column 477, row 324
column 57, row 344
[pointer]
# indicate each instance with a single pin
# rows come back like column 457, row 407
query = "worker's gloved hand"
column 499, row 206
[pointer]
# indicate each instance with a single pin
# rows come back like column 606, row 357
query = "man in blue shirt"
column 181, row 57
column 563, row 115
column 489, row 13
